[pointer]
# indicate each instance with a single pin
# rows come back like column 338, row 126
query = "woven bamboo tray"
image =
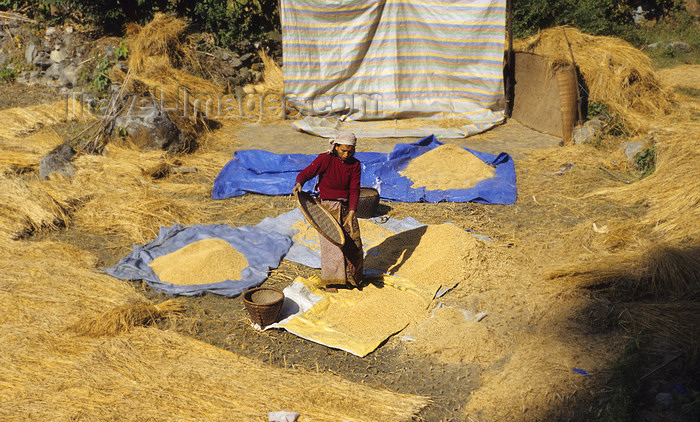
column 320, row 219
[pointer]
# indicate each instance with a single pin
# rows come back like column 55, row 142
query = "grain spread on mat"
column 202, row 262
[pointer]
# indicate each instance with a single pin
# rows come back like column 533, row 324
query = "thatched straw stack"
column 156, row 54
column 617, row 74
column 50, row 372
column 24, row 120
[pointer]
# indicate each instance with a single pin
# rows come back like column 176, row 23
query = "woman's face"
column 344, row 151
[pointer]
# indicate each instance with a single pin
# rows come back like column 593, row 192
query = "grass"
column 678, row 27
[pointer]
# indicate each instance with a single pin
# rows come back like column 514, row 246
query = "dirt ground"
column 529, row 239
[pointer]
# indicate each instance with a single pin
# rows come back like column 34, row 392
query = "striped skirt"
column 342, row 265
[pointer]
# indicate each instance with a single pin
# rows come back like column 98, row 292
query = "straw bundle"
column 21, row 121
column 124, row 318
column 616, row 73
column 272, row 78
column 28, row 206
column 158, row 42
column 678, row 323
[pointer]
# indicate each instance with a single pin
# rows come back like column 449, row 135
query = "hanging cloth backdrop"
column 385, row 59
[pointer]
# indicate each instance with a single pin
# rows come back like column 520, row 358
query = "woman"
column 339, row 190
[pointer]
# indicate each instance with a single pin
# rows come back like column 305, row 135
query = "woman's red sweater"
column 338, row 179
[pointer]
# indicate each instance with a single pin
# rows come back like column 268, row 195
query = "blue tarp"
column 263, row 250
column 267, row 173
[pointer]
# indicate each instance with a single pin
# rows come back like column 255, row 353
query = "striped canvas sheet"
column 388, row 59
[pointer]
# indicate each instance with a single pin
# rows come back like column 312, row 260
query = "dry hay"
column 123, row 318
column 158, row 42
column 156, row 55
column 26, row 206
column 272, row 80
column 448, row 336
column 202, row 262
column 677, row 323
column 685, row 75
column 447, row 167
column 537, row 379
column 49, row 372
column 617, row 74
column 21, row 121
column 431, row 255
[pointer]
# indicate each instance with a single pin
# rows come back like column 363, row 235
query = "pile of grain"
column 451, row 338
column 430, row 255
column 447, row 167
column 202, row 262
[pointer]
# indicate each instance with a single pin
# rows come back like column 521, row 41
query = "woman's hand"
column 348, row 222
column 297, row 188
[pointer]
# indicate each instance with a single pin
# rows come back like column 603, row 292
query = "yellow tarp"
column 358, row 321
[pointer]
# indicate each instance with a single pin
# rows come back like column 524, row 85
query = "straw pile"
column 272, row 81
column 49, row 372
column 617, row 74
column 21, row 121
column 447, row 167
column 156, row 55
column 432, row 255
column 202, row 262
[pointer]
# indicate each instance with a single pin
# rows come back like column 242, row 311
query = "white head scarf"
column 343, row 138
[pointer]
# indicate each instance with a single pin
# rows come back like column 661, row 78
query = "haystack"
column 616, row 74
column 157, row 54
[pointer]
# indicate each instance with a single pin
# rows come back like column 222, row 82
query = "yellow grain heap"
column 430, row 255
column 447, row 167
column 202, row 262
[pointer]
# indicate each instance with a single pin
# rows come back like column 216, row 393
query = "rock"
column 43, row 60
column 109, row 50
column 69, row 76
column 225, row 56
column 247, row 58
column 274, row 36
column 30, row 52
column 149, row 127
column 631, row 149
column 244, row 75
column 57, row 56
column 58, row 161
column 257, row 67
column 53, row 72
column 68, row 30
column 3, row 58
column 664, row 399
column 50, row 31
column 679, row 46
column 589, row 130
column 235, row 62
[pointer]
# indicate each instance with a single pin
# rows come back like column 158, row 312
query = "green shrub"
column 7, row 74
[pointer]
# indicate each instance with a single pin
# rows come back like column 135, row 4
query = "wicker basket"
column 264, row 305
column 368, row 203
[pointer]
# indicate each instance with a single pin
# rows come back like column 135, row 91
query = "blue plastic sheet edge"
column 263, row 250
column 263, row 172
